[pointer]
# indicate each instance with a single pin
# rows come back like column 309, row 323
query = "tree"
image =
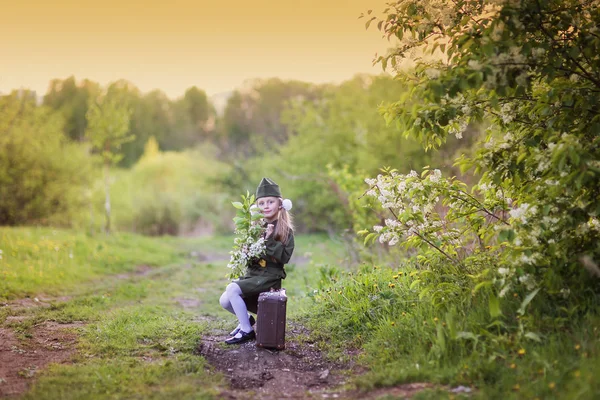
column 43, row 175
column 529, row 71
column 198, row 108
column 341, row 130
column 193, row 120
column 252, row 123
column 108, row 127
column 71, row 99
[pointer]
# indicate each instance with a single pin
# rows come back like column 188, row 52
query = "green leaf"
column 370, row 236
column 237, row 205
column 527, row 300
column 507, row 235
column 494, row 305
column 257, row 216
column 482, row 285
column 415, row 283
column 441, row 337
column 533, row 336
column 497, row 323
column 466, row 336
column 368, row 23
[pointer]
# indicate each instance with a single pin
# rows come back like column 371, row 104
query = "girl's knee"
column 233, row 289
column 224, row 300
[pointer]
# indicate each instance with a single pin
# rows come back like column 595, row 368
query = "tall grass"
column 403, row 336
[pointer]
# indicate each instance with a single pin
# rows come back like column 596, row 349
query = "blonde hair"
column 285, row 225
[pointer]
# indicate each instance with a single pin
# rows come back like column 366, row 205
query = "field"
column 125, row 316
column 128, row 317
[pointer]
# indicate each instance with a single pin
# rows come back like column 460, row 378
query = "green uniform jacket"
column 260, row 278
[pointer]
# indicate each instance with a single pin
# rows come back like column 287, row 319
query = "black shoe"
column 236, row 330
column 241, row 337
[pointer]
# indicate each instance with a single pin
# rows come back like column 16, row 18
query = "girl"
column 266, row 273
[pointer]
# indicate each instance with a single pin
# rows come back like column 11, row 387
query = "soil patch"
column 20, row 360
column 405, row 391
column 18, row 305
column 189, row 303
column 140, row 270
column 298, row 372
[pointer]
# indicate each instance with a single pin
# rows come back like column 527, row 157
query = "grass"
column 405, row 338
column 35, row 260
column 179, row 377
column 141, row 328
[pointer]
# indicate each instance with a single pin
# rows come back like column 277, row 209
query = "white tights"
column 232, row 301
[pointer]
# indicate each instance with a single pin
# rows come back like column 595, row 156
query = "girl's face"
column 269, row 206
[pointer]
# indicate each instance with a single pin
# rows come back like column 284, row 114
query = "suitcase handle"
column 281, row 291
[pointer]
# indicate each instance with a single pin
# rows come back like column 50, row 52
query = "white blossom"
column 432, row 73
column 538, row 52
column 504, row 290
column 474, row 64
column 528, row 281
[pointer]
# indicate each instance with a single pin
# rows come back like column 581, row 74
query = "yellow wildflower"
column 552, row 385
column 521, row 352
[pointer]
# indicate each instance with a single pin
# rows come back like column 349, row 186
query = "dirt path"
column 24, row 354
column 298, row 372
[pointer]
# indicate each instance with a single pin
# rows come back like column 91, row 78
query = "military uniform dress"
column 266, row 273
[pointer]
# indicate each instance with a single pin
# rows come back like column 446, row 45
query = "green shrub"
column 170, row 193
column 43, row 177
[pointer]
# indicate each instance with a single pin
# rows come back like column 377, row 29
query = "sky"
column 173, row 45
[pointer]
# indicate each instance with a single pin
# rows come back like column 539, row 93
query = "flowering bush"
column 528, row 73
column 431, row 211
column 248, row 245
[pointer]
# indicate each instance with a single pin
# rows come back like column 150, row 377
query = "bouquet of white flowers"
column 248, row 243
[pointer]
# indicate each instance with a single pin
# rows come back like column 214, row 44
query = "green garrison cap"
column 267, row 188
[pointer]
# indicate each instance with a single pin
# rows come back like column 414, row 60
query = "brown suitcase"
column 270, row 320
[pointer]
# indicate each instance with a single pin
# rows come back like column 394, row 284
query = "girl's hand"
column 270, row 229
